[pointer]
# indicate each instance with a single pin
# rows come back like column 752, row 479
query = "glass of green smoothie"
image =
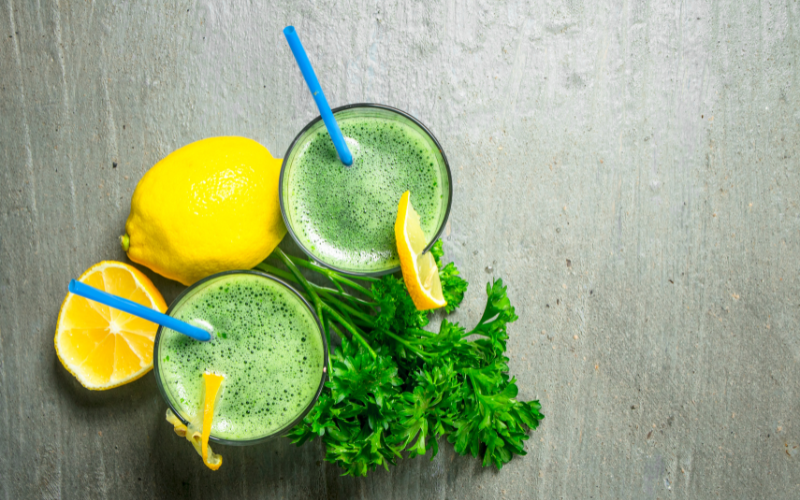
column 343, row 216
column 266, row 341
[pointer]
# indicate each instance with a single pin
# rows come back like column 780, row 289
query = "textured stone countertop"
column 630, row 168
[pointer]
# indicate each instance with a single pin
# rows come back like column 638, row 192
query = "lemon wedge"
column 213, row 382
column 199, row 438
column 420, row 272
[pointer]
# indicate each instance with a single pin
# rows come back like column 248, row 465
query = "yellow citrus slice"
column 213, row 381
column 105, row 347
column 213, row 461
column 419, row 270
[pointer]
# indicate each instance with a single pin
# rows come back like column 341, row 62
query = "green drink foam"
column 345, row 215
column 267, row 345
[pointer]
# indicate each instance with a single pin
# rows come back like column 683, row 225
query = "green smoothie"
column 344, row 216
column 267, row 344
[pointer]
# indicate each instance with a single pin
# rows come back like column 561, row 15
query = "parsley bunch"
column 395, row 388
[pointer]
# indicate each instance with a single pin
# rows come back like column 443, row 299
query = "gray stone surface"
column 630, row 168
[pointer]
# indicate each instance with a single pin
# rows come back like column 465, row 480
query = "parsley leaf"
column 396, row 388
column 453, row 286
column 355, row 410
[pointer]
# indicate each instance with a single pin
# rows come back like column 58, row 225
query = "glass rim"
column 244, row 442
column 366, row 105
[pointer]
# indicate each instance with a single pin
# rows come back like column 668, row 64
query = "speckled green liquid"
column 344, row 216
column 267, row 345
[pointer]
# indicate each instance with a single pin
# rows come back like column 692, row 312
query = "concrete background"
column 631, row 168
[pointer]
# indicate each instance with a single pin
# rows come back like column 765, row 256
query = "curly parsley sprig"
column 395, row 388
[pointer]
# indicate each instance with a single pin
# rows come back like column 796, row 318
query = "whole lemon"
column 209, row 206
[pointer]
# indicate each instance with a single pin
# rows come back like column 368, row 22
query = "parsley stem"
column 419, row 331
column 323, row 322
column 337, row 285
column 354, row 301
column 350, row 328
column 344, row 315
column 320, row 289
column 408, row 345
column 351, row 284
column 334, row 276
column 318, row 304
column 298, row 275
column 280, row 273
column 367, row 319
column 327, row 329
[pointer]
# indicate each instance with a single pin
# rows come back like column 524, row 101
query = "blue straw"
column 138, row 310
column 319, row 97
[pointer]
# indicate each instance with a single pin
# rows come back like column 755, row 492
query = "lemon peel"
column 199, row 437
